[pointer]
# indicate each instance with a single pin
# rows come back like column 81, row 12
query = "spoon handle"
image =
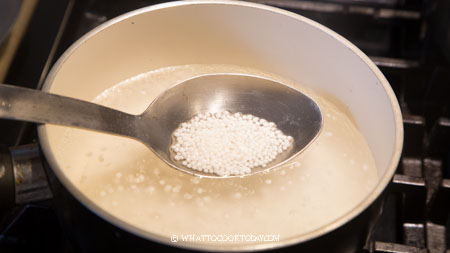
column 24, row 104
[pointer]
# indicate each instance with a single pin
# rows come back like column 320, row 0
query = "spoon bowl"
column 293, row 112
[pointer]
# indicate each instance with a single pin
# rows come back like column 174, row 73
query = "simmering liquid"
column 126, row 179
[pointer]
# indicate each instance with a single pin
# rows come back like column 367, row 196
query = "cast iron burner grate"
column 404, row 38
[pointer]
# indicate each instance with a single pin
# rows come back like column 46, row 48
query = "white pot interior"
column 223, row 32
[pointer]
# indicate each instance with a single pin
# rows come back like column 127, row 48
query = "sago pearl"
column 228, row 144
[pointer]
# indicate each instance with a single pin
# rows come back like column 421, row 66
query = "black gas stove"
column 409, row 40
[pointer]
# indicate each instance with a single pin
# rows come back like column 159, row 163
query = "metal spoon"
column 294, row 113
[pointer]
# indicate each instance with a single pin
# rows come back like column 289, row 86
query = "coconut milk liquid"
column 126, row 179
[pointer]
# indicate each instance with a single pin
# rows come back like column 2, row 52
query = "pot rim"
column 384, row 180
